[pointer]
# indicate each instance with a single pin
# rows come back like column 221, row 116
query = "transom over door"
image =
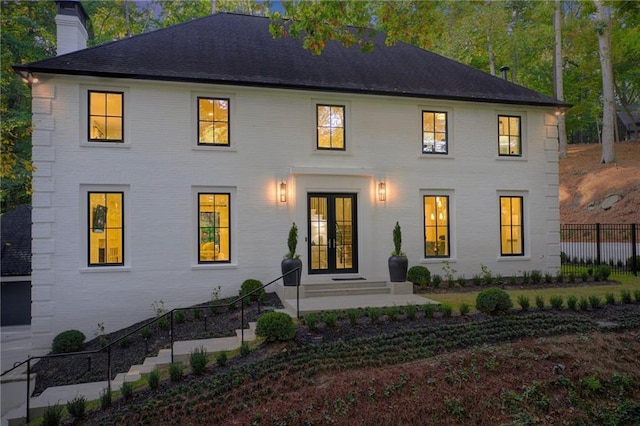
column 332, row 233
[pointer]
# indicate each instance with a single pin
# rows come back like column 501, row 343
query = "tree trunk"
column 492, row 56
column 603, row 29
column 558, row 80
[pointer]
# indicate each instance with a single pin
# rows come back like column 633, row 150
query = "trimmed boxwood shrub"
column 419, row 275
column 276, row 326
column 602, row 272
column 68, row 341
column 250, row 285
column 493, row 301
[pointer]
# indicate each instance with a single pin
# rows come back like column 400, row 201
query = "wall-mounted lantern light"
column 29, row 78
column 382, row 191
column 283, row 192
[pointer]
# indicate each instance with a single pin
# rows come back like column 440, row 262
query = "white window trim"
column 452, row 225
column 526, row 232
column 84, row 228
column 84, row 116
column 348, row 139
column 523, row 137
column 193, row 122
column 450, row 131
column 233, row 229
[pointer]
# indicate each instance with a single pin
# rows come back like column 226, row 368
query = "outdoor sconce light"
column 283, row 192
column 29, row 78
column 382, row 192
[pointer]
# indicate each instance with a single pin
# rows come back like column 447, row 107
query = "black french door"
column 332, row 233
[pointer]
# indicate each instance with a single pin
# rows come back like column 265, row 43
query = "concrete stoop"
column 91, row 391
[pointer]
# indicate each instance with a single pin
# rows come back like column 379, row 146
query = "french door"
column 332, row 233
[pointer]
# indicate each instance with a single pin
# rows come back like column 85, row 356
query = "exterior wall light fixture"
column 283, row 192
column 382, row 191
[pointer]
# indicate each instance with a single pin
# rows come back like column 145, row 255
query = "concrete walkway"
column 328, row 303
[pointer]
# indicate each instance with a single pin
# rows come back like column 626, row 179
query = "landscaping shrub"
column 526, row 278
column 556, row 302
column 245, row 350
column 311, row 320
column 548, row 278
column 52, row 415
column 540, row 302
column 493, row 301
column 330, row 319
column 523, row 301
column 572, row 301
column 176, row 372
column 374, row 313
column 419, row 275
column 583, row 303
column 68, row 341
column 198, row 360
column 250, row 285
column 602, row 272
column 77, row 407
column 145, row 332
column 446, row 310
column 429, row 309
column 437, row 279
column 462, row 281
column 126, row 390
column 464, row 309
column 153, row 380
column 221, row 359
column 179, row 317
column 595, row 301
column 163, row 323
column 584, row 276
column 196, row 313
column 625, row 296
column 276, row 326
column 572, row 277
column 513, row 280
column 353, row 315
column 610, row 299
column 412, row 312
column 630, row 262
column 536, row 277
column 636, row 295
column 477, row 279
column 392, row 312
column 105, row 399
column 559, row 277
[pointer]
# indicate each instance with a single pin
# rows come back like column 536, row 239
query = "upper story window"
column 434, row 132
column 214, row 233
column 106, row 228
column 436, row 226
column 330, row 127
column 509, row 136
column 511, row 229
column 213, row 121
column 106, row 120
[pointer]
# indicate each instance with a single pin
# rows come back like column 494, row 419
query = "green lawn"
column 626, row 282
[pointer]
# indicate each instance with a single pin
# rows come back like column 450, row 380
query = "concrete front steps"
column 91, row 391
column 328, row 295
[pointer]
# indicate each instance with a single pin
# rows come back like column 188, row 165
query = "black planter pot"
column 293, row 278
column 398, row 268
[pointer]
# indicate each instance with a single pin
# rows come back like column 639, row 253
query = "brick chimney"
column 71, row 23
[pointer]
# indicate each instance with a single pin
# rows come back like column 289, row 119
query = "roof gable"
column 239, row 50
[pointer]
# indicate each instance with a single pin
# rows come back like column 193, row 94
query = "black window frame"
column 90, row 228
column 344, row 127
column 214, row 261
column 89, row 115
column 448, row 226
column 446, row 132
column 198, row 121
column 511, row 226
column 519, row 154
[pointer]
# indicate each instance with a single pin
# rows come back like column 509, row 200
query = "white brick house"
column 174, row 162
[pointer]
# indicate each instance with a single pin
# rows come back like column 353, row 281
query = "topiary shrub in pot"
column 68, row 341
column 292, row 260
column 276, row 326
column 493, row 301
column 419, row 275
column 398, row 262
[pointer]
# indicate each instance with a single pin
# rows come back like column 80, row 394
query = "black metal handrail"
column 169, row 314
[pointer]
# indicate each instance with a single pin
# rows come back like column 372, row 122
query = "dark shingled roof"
column 15, row 226
column 239, row 50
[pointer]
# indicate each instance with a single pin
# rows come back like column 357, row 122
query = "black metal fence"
column 587, row 245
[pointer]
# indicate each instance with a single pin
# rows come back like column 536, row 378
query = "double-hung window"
column 106, row 228
column 436, row 226
column 106, row 116
column 434, row 132
column 509, row 136
column 213, row 121
column 214, row 236
column 511, row 226
column 330, row 120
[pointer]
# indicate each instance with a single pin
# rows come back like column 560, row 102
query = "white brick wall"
column 272, row 138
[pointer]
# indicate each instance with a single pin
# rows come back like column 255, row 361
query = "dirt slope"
column 585, row 183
